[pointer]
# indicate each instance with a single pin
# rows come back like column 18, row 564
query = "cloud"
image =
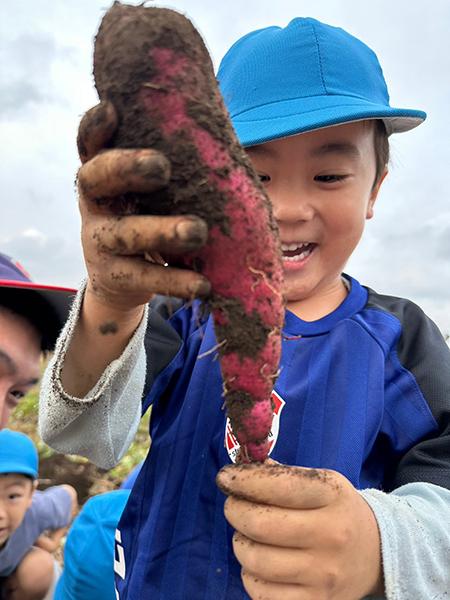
column 46, row 84
column 18, row 96
column 50, row 259
column 27, row 77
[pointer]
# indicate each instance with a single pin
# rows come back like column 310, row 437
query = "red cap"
column 45, row 306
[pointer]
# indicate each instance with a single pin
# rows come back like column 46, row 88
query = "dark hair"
column 381, row 141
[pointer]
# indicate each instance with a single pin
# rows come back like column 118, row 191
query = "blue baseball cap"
column 45, row 306
column 18, row 454
column 277, row 82
column 89, row 550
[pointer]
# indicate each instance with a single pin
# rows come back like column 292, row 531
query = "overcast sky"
column 46, row 85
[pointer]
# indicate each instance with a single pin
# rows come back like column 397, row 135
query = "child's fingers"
column 291, row 528
column 96, row 129
column 259, row 588
column 281, row 485
column 142, row 279
column 141, row 234
column 275, row 564
column 115, row 172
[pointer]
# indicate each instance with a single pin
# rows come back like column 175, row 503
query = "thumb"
column 280, row 485
column 96, row 129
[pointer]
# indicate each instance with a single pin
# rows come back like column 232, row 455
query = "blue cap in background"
column 18, row 454
column 89, row 550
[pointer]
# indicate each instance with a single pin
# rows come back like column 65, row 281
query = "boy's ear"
column 33, row 489
column 374, row 193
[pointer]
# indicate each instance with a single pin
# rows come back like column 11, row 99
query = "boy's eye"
column 264, row 178
column 15, row 496
column 329, row 178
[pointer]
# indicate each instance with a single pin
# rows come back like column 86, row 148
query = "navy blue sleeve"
column 162, row 341
column 422, row 350
column 171, row 322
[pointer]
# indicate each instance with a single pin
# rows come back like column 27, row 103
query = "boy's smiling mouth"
column 296, row 252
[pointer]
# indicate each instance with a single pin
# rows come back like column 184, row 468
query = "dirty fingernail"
column 224, row 478
column 193, row 232
column 202, row 288
column 153, row 167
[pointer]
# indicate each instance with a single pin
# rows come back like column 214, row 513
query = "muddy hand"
column 123, row 253
column 301, row 534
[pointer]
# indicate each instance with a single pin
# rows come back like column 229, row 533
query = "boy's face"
column 321, row 185
column 20, row 354
column 16, row 492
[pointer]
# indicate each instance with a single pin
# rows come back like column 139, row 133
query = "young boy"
column 362, row 399
column 27, row 571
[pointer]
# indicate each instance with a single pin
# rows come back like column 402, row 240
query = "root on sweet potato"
column 153, row 66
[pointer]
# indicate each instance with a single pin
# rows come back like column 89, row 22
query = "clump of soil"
column 84, row 476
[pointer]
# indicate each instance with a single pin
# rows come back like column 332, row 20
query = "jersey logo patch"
column 231, row 443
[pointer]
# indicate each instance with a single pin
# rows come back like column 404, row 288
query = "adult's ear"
column 374, row 194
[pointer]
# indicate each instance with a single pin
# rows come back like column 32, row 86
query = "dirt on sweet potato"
column 153, row 66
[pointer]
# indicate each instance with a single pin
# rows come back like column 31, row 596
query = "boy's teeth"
column 298, row 257
column 296, row 251
column 293, row 247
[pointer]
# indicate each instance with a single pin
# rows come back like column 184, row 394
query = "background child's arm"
column 51, row 540
column 73, row 498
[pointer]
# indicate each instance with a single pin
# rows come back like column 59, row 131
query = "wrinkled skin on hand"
column 123, row 253
column 301, row 534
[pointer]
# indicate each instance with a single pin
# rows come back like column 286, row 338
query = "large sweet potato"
column 153, row 66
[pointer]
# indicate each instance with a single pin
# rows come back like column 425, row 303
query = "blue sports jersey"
column 362, row 391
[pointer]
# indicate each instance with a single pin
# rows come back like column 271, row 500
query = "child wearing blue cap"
column 361, row 405
column 27, row 570
column 89, row 550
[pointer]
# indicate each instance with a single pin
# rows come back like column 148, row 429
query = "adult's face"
column 20, row 353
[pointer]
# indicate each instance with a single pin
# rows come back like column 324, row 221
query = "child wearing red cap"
column 31, row 317
column 26, row 569
column 360, row 505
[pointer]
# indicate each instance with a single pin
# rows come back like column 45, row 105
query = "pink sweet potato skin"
column 152, row 64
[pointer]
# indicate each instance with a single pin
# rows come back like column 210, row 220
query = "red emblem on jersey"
column 231, row 443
